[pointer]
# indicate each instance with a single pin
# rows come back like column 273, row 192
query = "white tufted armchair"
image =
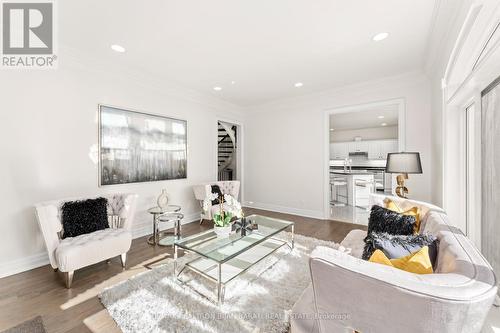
column 72, row 253
column 231, row 187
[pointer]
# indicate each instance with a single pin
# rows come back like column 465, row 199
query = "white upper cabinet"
column 338, row 151
column 380, row 149
column 386, row 147
column 374, row 150
column 377, row 149
column 357, row 146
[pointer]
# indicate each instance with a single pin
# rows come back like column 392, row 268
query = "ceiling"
column 368, row 118
column 265, row 47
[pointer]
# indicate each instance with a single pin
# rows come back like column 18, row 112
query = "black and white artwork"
column 138, row 147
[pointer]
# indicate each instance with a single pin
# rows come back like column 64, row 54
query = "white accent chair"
column 72, row 253
column 354, row 294
column 231, row 187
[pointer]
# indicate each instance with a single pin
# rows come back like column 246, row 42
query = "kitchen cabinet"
column 389, row 146
column 357, row 146
column 338, row 151
column 376, row 149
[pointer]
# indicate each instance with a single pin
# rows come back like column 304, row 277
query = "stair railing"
column 230, row 133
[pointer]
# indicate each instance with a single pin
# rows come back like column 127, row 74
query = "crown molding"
column 477, row 42
column 318, row 98
column 429, row 54
column 448, row 18
column 72, row 59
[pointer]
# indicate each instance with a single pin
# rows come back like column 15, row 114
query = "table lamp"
column 403, row 163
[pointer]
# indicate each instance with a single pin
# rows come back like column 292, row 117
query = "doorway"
column 357, row 141
column 228, row 151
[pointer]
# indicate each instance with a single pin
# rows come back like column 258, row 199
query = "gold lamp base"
column 401, row 189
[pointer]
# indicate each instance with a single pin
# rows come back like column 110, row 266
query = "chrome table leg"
column 219, row 285
column 155, row 231
column 175, row 261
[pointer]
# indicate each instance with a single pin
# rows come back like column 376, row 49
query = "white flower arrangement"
column 233, row 206
column 228, row 208
column 208, row 201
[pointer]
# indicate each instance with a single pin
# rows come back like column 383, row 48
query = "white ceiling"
column 264, row 46
column 368, row 118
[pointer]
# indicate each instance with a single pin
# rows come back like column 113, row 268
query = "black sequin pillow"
column 393, row 223
column 83, row 217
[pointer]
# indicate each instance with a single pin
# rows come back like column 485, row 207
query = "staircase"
column 226, row 151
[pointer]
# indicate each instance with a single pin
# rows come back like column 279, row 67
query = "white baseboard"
column 41, row 259
column 316, row 214
column 23, row 264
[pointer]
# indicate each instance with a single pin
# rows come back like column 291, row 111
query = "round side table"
column 167, row 238
column 157, row 212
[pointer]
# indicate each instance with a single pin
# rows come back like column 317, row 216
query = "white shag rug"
column 257, row 301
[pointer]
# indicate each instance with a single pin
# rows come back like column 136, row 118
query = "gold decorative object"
column 401, row 189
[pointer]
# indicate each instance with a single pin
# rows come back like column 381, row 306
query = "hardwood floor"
column 42, row 292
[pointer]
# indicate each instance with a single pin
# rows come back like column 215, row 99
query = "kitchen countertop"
column 353, row 172
column 359, row 167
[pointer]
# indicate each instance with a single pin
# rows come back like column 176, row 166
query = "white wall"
column 449, row 20
column 285, row 142
column 374, row 133
column 49, row 125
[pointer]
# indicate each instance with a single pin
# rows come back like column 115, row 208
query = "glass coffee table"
column 223, row 259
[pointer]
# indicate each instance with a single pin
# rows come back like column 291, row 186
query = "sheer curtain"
column 490, row 142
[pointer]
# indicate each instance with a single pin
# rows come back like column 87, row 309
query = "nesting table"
column 165, row 238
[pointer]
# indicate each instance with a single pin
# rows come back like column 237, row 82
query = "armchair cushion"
column 84, row 216
column 87, row 249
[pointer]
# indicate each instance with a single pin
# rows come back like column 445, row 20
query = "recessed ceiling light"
column 298, row 84
column 117, row 48
column 233, row 82
column 332, row 129
column 217, row 88
column 380, row 36
column 380, row 117
column 383, row 124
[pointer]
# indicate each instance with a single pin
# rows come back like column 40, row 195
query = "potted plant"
column 229, row 207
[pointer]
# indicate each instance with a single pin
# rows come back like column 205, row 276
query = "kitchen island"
column 359, row 185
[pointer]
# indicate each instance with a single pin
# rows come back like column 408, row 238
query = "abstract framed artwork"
column 137, row 147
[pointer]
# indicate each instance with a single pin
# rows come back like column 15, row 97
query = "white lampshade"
column 403, row 163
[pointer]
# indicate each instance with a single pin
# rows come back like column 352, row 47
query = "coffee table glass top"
column 222, row 249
